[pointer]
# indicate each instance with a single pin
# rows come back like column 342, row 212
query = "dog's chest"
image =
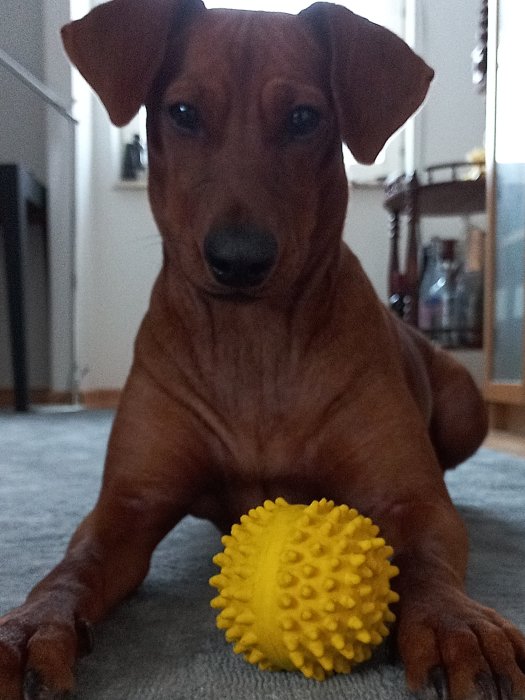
column 272, row 418
column 269, row 392
column 266, row 428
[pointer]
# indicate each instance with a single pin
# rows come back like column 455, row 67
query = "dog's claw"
column 505, row 689
column 485, row 688
column 436, row 688
column 85, row 635
column 34, row 688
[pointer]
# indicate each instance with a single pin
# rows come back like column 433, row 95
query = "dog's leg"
column 452, row 647
column 146, row 490
column 459, row 422
column 447, row 396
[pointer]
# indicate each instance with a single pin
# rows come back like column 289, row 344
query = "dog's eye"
column 184, row 116
column 303, row 121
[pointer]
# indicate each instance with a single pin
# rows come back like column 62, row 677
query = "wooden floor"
column 505, row 442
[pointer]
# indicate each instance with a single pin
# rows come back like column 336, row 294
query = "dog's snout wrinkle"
column 240, row 256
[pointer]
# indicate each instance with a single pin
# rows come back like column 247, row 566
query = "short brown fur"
column 300, row 385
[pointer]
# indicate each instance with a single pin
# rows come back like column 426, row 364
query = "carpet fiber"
column 162, row 643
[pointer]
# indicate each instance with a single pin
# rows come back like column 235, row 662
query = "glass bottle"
column 437, row 297
column 429, row 308
column 447, row 335
column 470, row 291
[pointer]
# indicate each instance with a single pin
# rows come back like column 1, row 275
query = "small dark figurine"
column 135, row 159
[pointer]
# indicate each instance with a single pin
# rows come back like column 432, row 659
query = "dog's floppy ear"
column 119, row 46
column 377, row 80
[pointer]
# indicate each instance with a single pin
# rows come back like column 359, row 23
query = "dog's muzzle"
column 240, row 256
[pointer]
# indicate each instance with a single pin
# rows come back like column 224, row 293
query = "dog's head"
column 246, row 115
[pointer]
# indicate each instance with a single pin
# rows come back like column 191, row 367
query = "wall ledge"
column 133, row 185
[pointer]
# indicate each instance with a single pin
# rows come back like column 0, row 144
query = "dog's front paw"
column 456, row 649
column 36, row 689
column 38, row 647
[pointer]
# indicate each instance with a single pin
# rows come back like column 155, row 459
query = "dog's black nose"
column 240, row 256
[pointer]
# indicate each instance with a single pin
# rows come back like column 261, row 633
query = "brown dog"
column 266, row 366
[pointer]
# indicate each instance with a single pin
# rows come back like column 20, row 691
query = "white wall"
column 366, row 232
column 23, row 141
column 119, row 254
column 22, row 127
column 453, row 120
column 61, row 204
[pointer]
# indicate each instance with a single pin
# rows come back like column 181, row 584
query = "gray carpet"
column 162, row 643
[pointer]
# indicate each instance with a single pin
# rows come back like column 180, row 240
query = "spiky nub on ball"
column 304, row 587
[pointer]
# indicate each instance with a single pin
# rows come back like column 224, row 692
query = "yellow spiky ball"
column 304, row 587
